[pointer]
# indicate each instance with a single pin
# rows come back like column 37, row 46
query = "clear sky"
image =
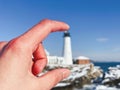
column 95, row 24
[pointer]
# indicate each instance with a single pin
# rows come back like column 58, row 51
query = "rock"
column 112, row 76
column 80, row 74
column 113, row 82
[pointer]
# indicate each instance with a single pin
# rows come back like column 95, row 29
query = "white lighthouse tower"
column 67, row 51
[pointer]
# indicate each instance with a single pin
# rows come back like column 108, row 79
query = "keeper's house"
column 82, row 60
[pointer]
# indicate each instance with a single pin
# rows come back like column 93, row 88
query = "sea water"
column 104, row 66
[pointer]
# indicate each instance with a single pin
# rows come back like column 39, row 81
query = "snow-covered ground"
column 98, row 87
column 112, row 74
column 77, row 71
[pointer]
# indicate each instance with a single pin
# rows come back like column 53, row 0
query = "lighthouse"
column 67, row 51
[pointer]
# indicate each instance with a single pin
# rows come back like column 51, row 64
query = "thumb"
column 51, row 78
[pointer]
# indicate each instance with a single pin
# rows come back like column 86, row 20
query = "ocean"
column 104, row 66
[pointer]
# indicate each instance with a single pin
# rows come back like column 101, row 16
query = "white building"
column 54, row 59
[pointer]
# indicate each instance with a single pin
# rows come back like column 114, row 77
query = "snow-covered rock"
column 103, row 87
column 79, row 73
column 112, row 77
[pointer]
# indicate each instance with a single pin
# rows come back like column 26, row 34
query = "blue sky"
column 95, row 24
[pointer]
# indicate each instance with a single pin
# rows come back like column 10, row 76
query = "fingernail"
column 68, row 26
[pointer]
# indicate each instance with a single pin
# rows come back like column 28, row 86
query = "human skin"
column 23, row 57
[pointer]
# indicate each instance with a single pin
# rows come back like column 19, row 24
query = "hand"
column 18, row 69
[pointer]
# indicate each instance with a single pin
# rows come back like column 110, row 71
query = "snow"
column 118, row 66
column 102, row 87
column 97, row 87
column 77, row 71
column 82, row 57
column 112, row 74
column 62, row 84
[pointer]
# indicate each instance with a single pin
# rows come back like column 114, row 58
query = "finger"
column 53, row 77
column 40, row 60
column 2, row 44
column 40, row 31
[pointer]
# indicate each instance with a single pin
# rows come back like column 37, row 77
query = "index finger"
column 40, row 31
